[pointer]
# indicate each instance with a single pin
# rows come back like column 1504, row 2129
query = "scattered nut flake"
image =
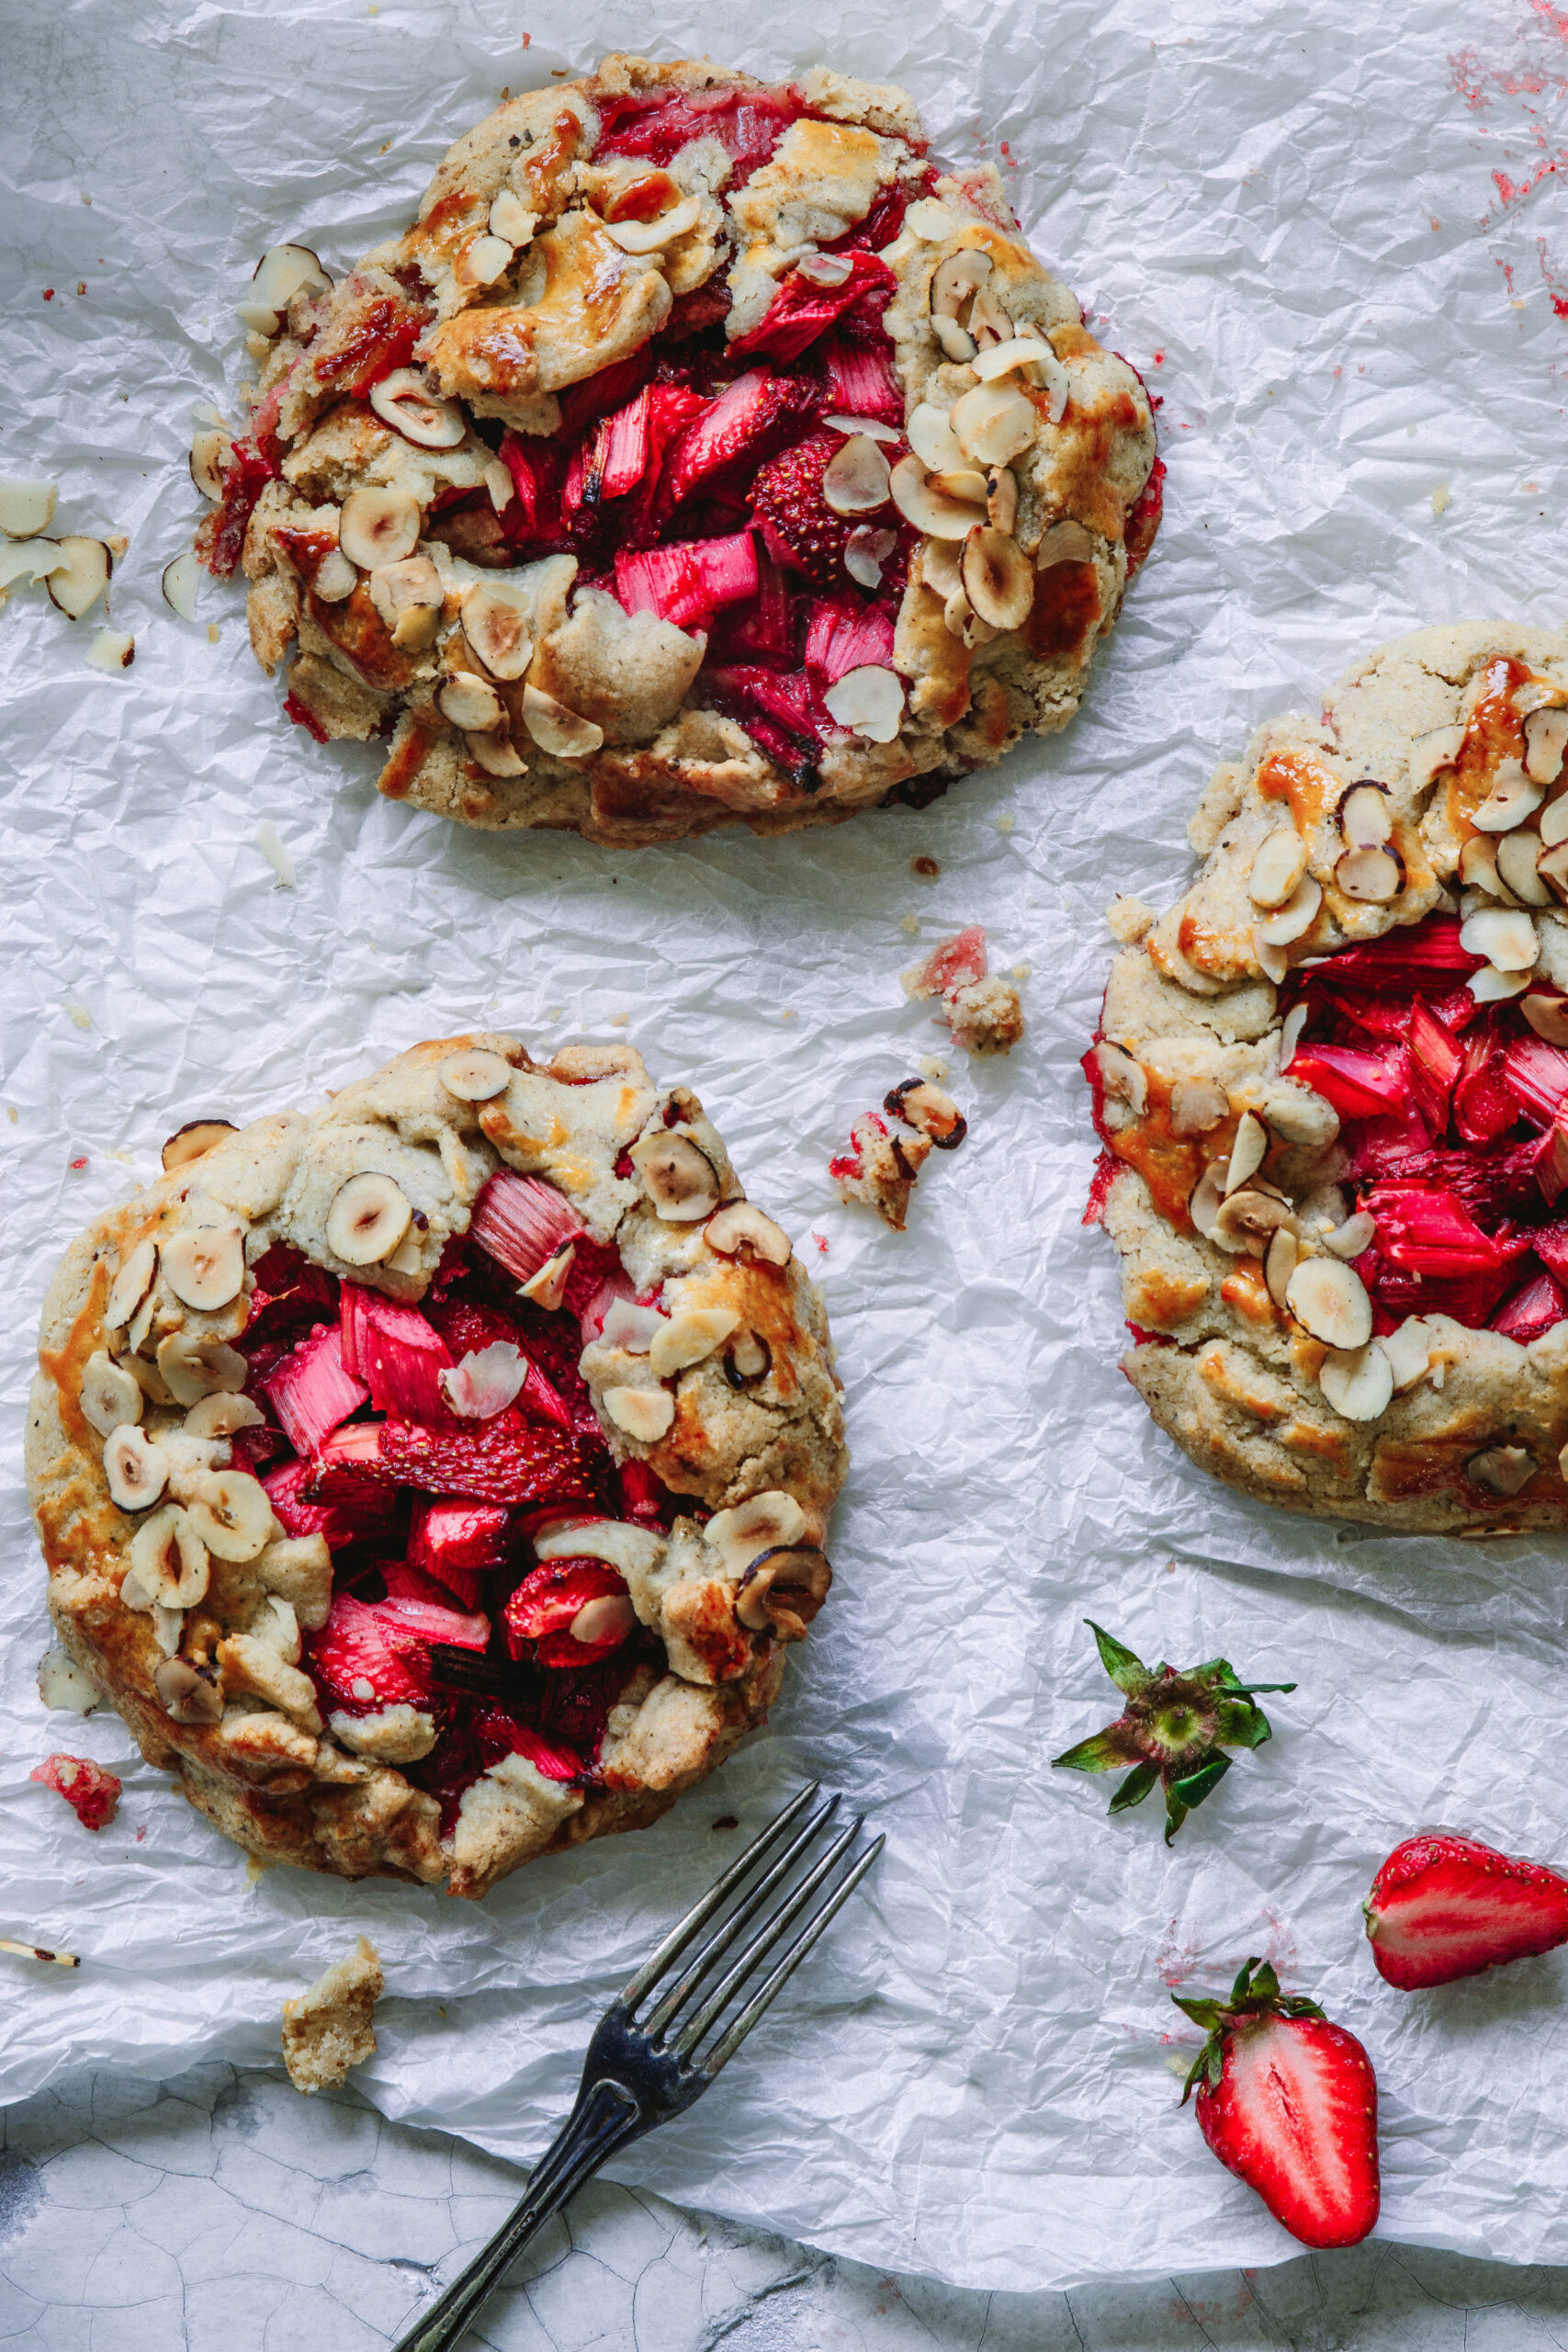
column 619, row 1020
column 111, row 650
column 80, row 1015
column 116, row 544
column 277, row 857
column 1006, row 822
column 1022, row 971
column 40, row 1952
column 911, row 924
column 1440, row 499
column 214, row 634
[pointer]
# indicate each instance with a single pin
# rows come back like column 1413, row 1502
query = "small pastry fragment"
column 980, row 1008
column 327, row 2028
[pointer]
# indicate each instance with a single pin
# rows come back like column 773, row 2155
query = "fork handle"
column 604, row 2117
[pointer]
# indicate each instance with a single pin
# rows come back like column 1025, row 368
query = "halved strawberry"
column 394, row 1350
column 349, row 1467
column 799, row 527
column 311, row 1391
column 643, row 1496
column 539, row 1617
column 1485, row 1105
column 469, row 1326
column 365, row 1517
column 507, row 1460
column 1289, row 2103
column 458, row 1542
column 90, row 1792
column 500, row 1733
column 751, row 418
column 358, row 1664
column 521, row 1221
column 1442, row 1907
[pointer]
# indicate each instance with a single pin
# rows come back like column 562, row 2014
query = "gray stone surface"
column 223, row 2212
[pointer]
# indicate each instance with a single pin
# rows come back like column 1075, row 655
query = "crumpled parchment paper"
column 1328, row 238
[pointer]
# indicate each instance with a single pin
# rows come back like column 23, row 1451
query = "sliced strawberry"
column 752, row 417
column 349, row 1467
column 539, row 1617
column 90, row 1792
column 689, row 582
column 1436, row 1060
column 860, row 383
column 409, row 1615
column 457, row 1543
column 1532, row 1310
column 574, row 1707
column 358, row 1664
column 220, row 539
column 1442, row 1907
column 802, row 310
column 1289, row 2103
column 367, row 1518
column 507, row 1460
column 798, row 526
column 394, row 1350
column 521, row 1221
column 312, row 1390
column 1358, row 1085
column 846, row 632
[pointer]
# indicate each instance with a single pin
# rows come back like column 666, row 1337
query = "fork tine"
column 743, row 1916
column 681, row 1935
column 763, row 1942
column 732, row 2040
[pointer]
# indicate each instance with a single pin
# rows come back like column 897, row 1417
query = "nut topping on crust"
column 204, row 1266
column 136, row 1470
column 367, row 1219
column 681, row 1180
column 109, row 1396
column 378, row 526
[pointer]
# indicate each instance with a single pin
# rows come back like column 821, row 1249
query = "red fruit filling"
column 220, row 538
column 1454, row 1118
column 90, row 1792
column 431, row 1513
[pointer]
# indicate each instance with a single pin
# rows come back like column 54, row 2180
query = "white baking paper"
column 1329, row 238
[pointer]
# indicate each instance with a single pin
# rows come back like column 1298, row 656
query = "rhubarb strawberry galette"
column 434, row 1481
column 1332, row 1086
column 700, row 455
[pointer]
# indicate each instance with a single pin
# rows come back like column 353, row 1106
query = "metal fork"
column 641, row 2072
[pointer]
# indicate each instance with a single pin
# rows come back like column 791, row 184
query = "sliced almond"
column 232, row 1513
column 378, row 526
column 1329, row 1300
column 27, row 507
column 648, row 236
column 474, row 1075
column 1122, row 1077
column 1001, row 499
column 191, row 1368
column 1064, row 542
column 136, row 1469
column 1552, row 823
column 919, row 502
column 1478, row 863
column 687, row 1338
column 1293, row 919
column 1547, row 1015
column 609, row 1618
column 629, row 1327
column 402, row 400
column 1489, row 986
column 874, row 425
column 194, row 1141
column 511, row 219
column 557, row 729
column 495, row 623
column 187, row 1694
column 1291, row 1030
column 1551, row 865
column 1546, row 739
column 932, row 438
column 204, row 1265
column 284, row 271
column 1197, row 1105
column 112, row 650
column 930, row 219
column 1431, row 752
column 999, row 578
column 221, row 1415
column 182, row 584
column 1247, row 1221
column 957, row 344
column 369, row 1217
column 1516, row 855
column 134, row 1280
column 27, row 559
column 856, row 478
column 865, row 552
column 79, row 579
column 496, row 754
column 108, row 1395
column 679, row 1178
column 740, row 1225
column 1017, row 350
column 1248, row 1152
column 993, row 424
column 1357, row 1382
column 487, row 259
column 1366, row 815
column 1279, row 1262
column 1409, row 1352
column 547, row 1288
column 1357, row 1233
column 1501, row 1469
column 1277, row 864
column 747, row 1529
column 498, row 483
column 940, row 566
column 958, row 280
column 645, row 1414
column 1371, row 877
column 869, row 701
column 168, row 1562
column 210, row 451
column 1208, row 1195
column 1506, row 937
column 1512, row 798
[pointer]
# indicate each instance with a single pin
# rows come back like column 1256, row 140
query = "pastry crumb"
column 1129, row 919
column 327, row 2028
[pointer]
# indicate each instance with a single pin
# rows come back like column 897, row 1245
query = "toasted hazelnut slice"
column 168, row 1560
column 1366, row 815
column 967, row 483
column 204, row 1265
column 1065, row 542
column 867, row 425
column 856, row 479
column 1433, row 751
column 1516, row 855
column 496, row 754
column 869, row 701
column 939, row 562
column 1409, row 1352
column 957, row 279
column 920, row 503
column 1019, row 351
column 27, row 559
column 182, row 585
column 993, row 424
column 1489, row 986
column 486, row 260
column 1207, row 1197
column 474, row 1075
column 377, row 526
column 999, row 578
column 1246, row 1220
column 688, row 1338
column 191, row 1368
column 648, row 236
column 410, row 586
column 961, row 620
column 137, row 1470
column 510, row 217
column 109, row 1397
column 134, row 1280
column 112, row 650
column 865, row 552
column 1501, row 1469
column 1279, row 1262
column 187, row 1694
column 932, row 438
column 1506, row 937
column 1277, row 864
column 784, row 1590
column 1547, row 1015
column 680, row 1180
column 1552, row 865
column 76, row 583
column 748, row 1359
column 1546, row 739
column 282, row 272
column 925, row 1107
column 555, row 728
column 1122, row 1077
column 740, row 1225
column 403, row 400
column 495, row 623
column 1197, row 1104
column 367, row 1219
column 1512, row 798
column 645, row 1414
column 1001, row 499
column 610, row 1617
column 259, row 318
column 1552, row 823
column 1329, row 1300
column 957, row 344
column 748, row 1529
column 232, row 1512
column 1357, row 1382
column 193, row 1140
column 1478, row 863
column 1293, row 919
column 1290, row 1029
column 1357, row 1233
column 1248, row 1152
column 471, row 703
column 1372, row 876
column 210, row 451
column 826, row 269
column 220, row 1415
column 547, row 1288
column 27, row 507
column 335, row 578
